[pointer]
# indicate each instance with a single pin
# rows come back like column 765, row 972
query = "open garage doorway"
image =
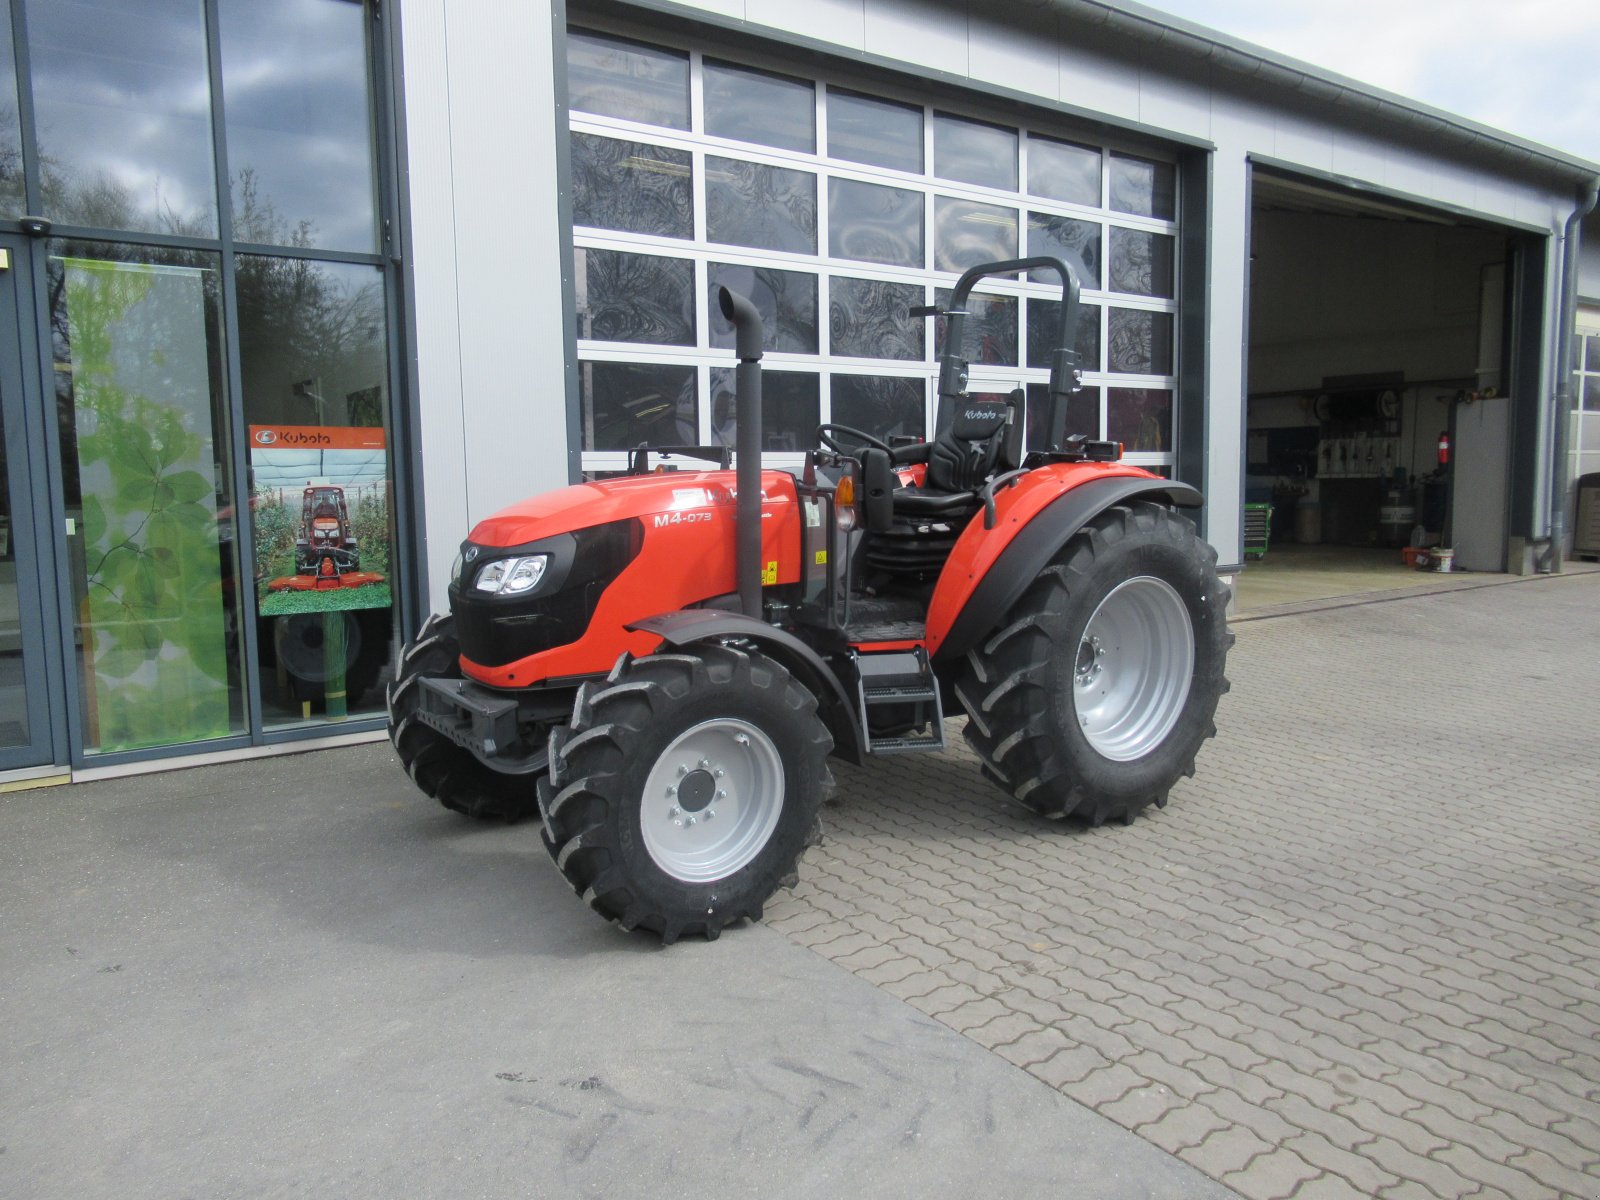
column 1378, row 421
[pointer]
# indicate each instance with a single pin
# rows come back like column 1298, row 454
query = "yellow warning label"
column 769, row 573
column 822, row 558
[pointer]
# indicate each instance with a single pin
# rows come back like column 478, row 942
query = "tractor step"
column 898, row 690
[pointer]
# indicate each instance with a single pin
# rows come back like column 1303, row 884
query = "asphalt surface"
column 295, row 977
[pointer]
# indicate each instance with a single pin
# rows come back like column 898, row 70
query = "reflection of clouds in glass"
column 10, row 125
column 294, row 77
column 123, row 105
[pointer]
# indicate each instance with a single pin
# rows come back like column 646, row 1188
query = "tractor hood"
column 643, row 496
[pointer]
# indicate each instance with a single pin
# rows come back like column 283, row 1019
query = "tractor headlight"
column 512, row 576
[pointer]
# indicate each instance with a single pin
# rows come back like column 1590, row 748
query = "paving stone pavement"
column 1355, row 956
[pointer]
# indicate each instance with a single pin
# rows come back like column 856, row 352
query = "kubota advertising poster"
column 320, row 506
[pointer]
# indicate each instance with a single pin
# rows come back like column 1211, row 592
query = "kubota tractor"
column 325, row 554
column 658, row 666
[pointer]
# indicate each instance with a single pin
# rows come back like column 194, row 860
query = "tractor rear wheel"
column 1094, row 694
column 442, row 769
column 686, row 789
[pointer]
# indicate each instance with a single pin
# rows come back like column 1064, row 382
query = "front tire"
column 442, row 769
column 689, row 785
column 1095, row 693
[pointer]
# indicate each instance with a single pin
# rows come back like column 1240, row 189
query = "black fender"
column 1039, row 541
column 691, row 625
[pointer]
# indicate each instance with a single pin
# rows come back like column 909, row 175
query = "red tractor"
column 325, row 554
column 658, row 666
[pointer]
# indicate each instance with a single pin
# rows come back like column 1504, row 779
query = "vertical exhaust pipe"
column 747, row 412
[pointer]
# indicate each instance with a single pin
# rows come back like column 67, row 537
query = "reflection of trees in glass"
column 748, row 204
column 635, row 298
column 967, row 234
column 620, row 78
column 633, row 404
column 1043, row 318
column 990, row 330
column 1076, row 243
column 11, row 197
column 870, row 318
column 881, row 405
column 1141, row 263
column 790, row 404
column 632, row 186
column 871, row 223
column 1082, row 415
column 787, row 301
column 1142, row 187
column 1140, row 343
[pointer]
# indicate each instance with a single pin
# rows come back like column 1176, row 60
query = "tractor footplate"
column 478, row 720
column 901, row 691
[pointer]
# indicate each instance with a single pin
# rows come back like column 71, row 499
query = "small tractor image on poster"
column 326, row 554
column 655, row 669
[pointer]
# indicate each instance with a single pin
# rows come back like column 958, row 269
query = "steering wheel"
column 827, row 429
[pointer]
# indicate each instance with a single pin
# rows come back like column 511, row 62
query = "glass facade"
column 837, row 209
column 222, row 395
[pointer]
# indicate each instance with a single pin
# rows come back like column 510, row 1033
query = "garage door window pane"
column 1043, row 316
column 634, row 297
column 1140, row 418
column 990, row 330
column 618, row 78
column 1143, row 188
column 881, row 133
column 757, row 106
column 1141, row 263
column 791, row 404
column 122, row 99
column 1063, row 171
column 787, row 301
column 967, row 233
column 1083, row 415
column 632, row 185
column 869, row 318
column 627, row 404
column 1140, row 342
column 770, row 208
column 1591, row 394
column 300, row 153
column 11, row 198
column 1076, row 243
column 883, row 406
column 1592, row 349
column 973, row 152
column 877, row 224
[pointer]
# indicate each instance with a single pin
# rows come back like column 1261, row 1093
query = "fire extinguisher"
column 1444, row 448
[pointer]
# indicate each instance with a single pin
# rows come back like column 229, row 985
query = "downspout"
column 1561, row 412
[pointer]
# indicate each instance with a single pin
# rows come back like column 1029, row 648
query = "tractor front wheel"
column 686, row 789
column 1096, row 691
column 442, row 769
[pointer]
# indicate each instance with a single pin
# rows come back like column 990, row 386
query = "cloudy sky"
column 1531, row 67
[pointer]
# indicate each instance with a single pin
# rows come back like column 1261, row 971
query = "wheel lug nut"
column 719, row 772
column 743, row 739
column 704, row 763
column 710, row 812
column 674, row 812
column 671, row 791
column 682, row 770
column 722, row 794
column 688, row 820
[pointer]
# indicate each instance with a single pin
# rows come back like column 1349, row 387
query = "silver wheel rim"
column 1133, row 668
column 712, row 800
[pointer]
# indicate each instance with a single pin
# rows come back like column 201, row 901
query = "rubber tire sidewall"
column 1195, row 583
column 804, row 772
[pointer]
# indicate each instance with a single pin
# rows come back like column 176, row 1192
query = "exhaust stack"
column 747, row 480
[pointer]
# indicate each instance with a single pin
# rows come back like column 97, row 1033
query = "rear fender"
column 991, row 568
column 690, row 626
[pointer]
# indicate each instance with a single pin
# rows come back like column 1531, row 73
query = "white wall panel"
column 1024, row 52
column 1230, row 262
column 489, row 302
column 1092, row 82
column 1182, row 106
column 432, row 251
column 1302, row 142
column 841, row 22
column 924, row 35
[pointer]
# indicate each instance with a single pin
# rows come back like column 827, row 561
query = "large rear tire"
column 1095, row 692
column 442, row 769
column 686, row 789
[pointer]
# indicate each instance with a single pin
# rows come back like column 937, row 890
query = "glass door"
column 25, row 725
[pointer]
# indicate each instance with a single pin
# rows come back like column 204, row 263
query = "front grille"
column 496, row 630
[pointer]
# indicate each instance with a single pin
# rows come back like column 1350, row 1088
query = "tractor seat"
column 983, row 439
